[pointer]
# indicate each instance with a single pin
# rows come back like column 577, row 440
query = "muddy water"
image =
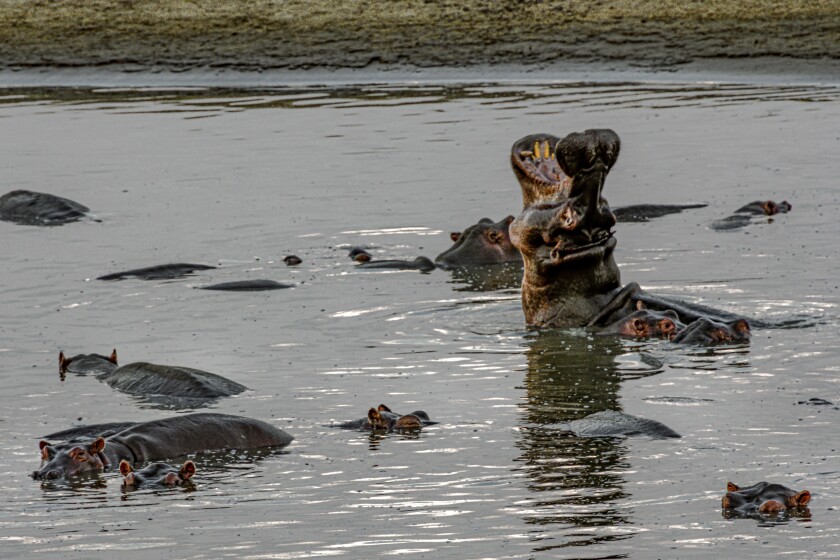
column 240, row 179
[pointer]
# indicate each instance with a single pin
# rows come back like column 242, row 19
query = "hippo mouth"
column 597, row 249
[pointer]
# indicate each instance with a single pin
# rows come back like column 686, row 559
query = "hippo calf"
column 383, row 419
column 156, row 474
column 159, row 439
column 761, row 498
column 39, row 209
column 158, row 272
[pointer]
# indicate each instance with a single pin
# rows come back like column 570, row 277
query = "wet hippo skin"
column 158, row 272
column 486, row 242
column 156, row 474
column 87, row 364
column 564, row 234
column 646, row 323
column 39, row 209
column 247, row 286
column 142, row 378
column 148, row 441
column 611, row 423
column 746, row 214
column 762, row 498
column 381, row 418
column 423, row 264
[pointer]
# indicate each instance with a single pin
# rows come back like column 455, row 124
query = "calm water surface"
column 240, row 179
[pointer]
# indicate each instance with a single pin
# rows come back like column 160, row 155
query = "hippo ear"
column 770, row 207
column 640, row 305
column 125, row 468
column 732, row 487
column 383, row 408
column 671, row 314
column 62, row 363
column 373, row 414
column 187, row 470
column 455, row 236
column 802, row 498
column 113, row 357
column 42, row 444
column 97, row 446
column 741, row 326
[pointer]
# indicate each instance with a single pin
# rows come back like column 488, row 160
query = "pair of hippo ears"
column 96, row 446
column 64, row 362
column 580, row 151
column 799, row 499
column 186, row 471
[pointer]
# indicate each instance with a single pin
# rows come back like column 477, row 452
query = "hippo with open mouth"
column 565, row 236
column 148, row 441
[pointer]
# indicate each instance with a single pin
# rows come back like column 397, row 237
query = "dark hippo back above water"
column 39, row 209
column 159, row 439
column 145, row 379
column 158, row 272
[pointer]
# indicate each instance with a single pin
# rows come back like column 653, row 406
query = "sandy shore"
column 295, row 34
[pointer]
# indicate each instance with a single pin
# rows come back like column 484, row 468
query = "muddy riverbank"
column 265, row 34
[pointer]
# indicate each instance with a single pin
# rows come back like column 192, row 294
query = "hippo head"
column 766, row 207
column 708, row 331
column 75, row 458
column 382, row 418
column 564, row 231
column 762, row 498
column 87, row 363
column 159, row 474
column 483, row 243
column 647, row 323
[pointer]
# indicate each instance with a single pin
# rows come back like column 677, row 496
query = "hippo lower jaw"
column 597, row 250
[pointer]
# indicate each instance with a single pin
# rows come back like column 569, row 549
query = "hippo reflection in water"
column 565, row 236
column 148, row 441
column 763, row 498
column 382, row 419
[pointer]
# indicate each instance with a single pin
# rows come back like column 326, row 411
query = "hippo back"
column 141, row 378
column 192, row 433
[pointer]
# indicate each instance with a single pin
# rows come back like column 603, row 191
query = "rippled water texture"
column 240, row 179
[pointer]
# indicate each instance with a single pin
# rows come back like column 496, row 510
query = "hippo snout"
column 48, row 475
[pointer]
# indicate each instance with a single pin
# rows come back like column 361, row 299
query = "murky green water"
column 242, row 178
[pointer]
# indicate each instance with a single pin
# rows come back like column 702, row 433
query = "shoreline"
column 294, row 41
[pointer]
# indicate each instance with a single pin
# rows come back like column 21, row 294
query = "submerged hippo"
column 486, row 242
column 647, row 212
column 159, row 439
column 611, row 423
column 87, row 364
column 381, row 418
column 158, row 272
column 709, row 331
column 153, row 380
column 423, row 264
column 646, row 323
column 565, row 236
column 744, row 215
column 39, row 209
column 762, row 498
column 248, row 286
column 156, row 474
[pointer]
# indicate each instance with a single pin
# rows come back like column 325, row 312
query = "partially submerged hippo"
column 39, row 209
column 381, row 418
column 709, row 331
column 647, row 212
column 744, row 215
column 611, row 423
column 153, row 380
column 565, row 236
column 158, row 272
column 87, row 364
column 646, row 323
column 248, row 286
column 159, row 439
column 423, row 264
column 762, row 498
column 486, row 242
column 156, row 474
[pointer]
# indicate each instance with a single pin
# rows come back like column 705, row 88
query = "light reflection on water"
column 314, row 172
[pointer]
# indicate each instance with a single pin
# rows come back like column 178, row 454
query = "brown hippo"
column 762, row 498
column 565, row 236
column 39, row 209
column 486, row 242
column 147, row 441
column 382, row 419
column 156, row 474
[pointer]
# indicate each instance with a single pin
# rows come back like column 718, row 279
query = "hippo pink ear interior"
column 97, row 446
column 455, row 236
column 741, row 326
column 125, row 468
column 113, row 357
column 732, row 487
column 802, row 498
column 640, row 305
column 383, row 408
column 42, row 444
column 187, row 470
